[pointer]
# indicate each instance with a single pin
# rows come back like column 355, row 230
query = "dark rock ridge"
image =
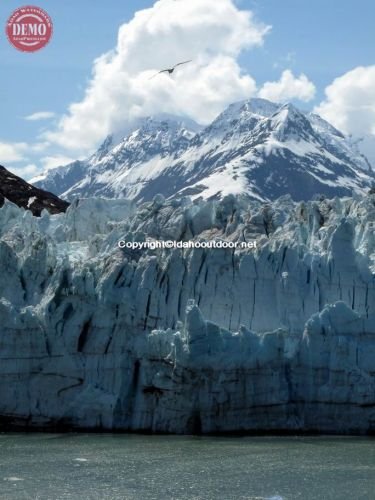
column 18, row 191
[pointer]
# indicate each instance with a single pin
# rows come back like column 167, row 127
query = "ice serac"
column 281, row 338
column 321, row 379
column 255, row 148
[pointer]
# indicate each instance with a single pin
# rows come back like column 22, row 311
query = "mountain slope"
column 255, row 148
column 24, row 195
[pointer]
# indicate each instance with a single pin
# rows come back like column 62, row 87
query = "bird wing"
column 158, row 73
column 170, row 69
column 184, row 62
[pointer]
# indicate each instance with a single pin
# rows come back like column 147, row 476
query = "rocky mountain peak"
column 255, row 148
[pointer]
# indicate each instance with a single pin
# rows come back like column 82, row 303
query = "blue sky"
column 55, row 76
column 326, row 37
column 322, row 39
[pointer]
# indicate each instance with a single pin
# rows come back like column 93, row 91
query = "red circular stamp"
column 29, row 28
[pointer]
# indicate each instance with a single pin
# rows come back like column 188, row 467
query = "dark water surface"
column 96, row 466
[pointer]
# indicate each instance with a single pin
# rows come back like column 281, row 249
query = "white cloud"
column 26, row 172
column 39, row 147
column 55, row 161
column 40, row 115
column 210, row 32
column 12, row 151
column 288, row 87
column 350, row 101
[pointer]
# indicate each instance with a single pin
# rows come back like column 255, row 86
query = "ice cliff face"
column 277, row 338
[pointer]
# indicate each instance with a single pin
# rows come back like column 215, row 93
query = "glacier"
column 279, row 338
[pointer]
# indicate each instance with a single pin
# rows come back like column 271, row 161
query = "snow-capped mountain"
column 123, row 162
column 255, row 148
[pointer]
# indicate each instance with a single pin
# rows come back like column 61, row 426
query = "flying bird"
column 171, row 70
